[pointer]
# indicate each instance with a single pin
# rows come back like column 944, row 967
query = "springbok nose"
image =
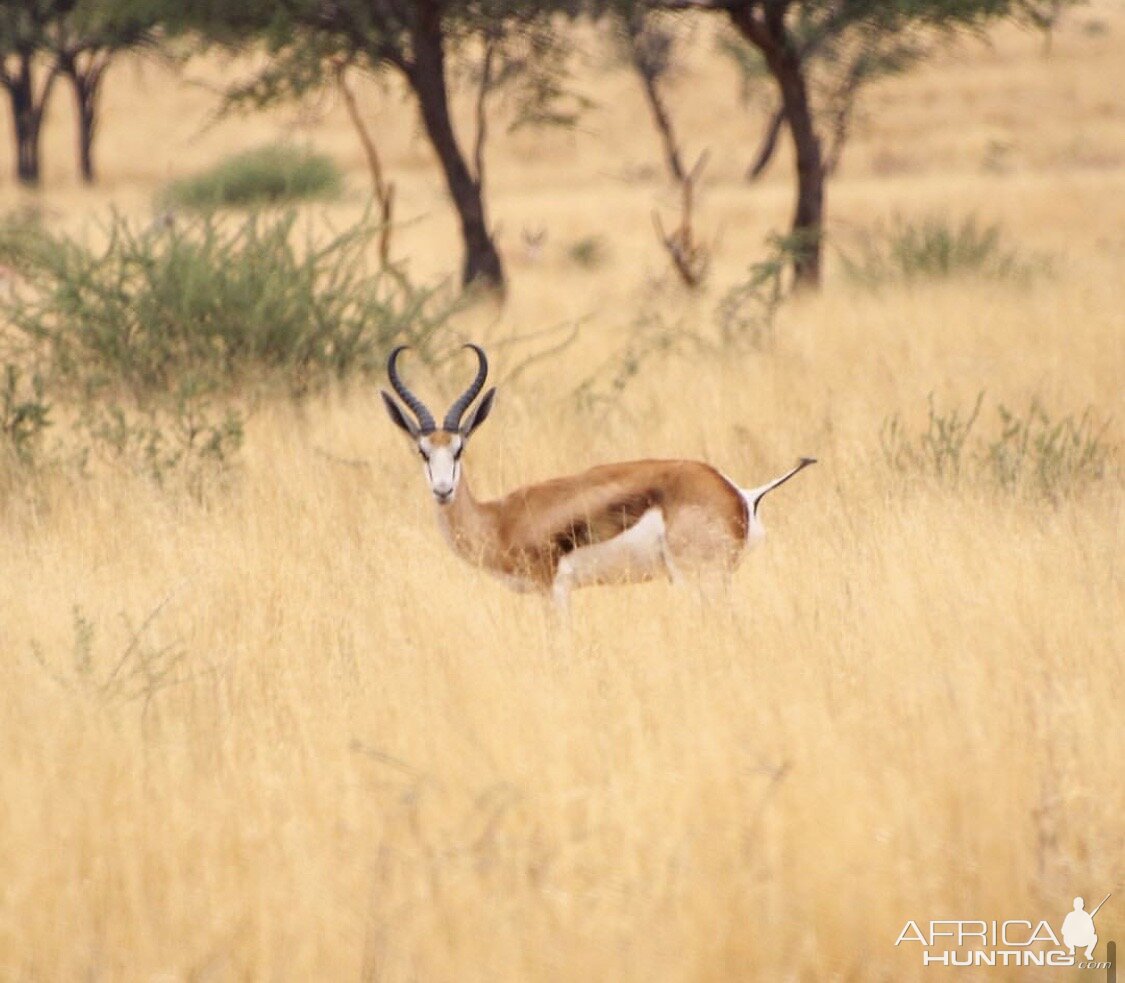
column 443, row 493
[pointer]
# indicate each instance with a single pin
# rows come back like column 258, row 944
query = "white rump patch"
column 754, row 530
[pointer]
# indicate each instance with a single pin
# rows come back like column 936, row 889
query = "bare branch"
column 482, row 109
column 560, row 346
column 384, row 191
column 697, row 169
column 650, row 51
column 690, row 258
column 768, row 145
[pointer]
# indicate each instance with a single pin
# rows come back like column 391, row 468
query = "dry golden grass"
column 381, row 764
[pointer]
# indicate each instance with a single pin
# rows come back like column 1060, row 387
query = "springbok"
column 534, row 241
column 616, row 523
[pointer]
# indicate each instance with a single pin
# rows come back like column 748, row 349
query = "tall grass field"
column 264, row 725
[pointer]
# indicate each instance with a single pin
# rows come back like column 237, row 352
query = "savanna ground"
column 379, row 763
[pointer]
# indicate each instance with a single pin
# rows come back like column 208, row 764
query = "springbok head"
column 440, row 448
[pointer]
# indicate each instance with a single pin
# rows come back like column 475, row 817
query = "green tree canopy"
column 513, row 48
column 851, row 41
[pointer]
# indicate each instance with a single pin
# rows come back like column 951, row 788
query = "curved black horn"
column 457, row 410
column 417, row 407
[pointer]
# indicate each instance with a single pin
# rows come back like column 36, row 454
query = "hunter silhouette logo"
column 1078, row 928
column 1012, row 942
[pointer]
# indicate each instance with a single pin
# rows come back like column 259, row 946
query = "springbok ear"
column 398, row 418
column 478, row 415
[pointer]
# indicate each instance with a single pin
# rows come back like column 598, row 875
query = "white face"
column 441, row 457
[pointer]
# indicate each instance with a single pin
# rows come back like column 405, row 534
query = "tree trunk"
column 784, row 63
column 85, row 99
column 426, row 75
column 27, row 147
column 85, row 83
column 27, row 121
column 809, row 215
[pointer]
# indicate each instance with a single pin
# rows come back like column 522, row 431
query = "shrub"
column 588, row 252
column 135, row 674
column 650, row 336
column 933, row 248
column 745, row 317
column 1046, row 454
column 184, row 440
column 209, row 302
column 1033, row 452
column 747, row 311
column 24, row 413
column 267, row 175
column 144, row 342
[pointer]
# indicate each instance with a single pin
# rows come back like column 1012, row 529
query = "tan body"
column 529, row 534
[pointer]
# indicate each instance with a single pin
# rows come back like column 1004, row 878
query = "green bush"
column 24, row 414
column 934, row 248
column 589, row 252
column 267, row 175
column 182, row 441
column 1047, row 454
column 145, row 343
column 211, row 302
column 1033, row 452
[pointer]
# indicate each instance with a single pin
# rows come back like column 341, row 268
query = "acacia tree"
column 85, row 42
column 794, row 37
column 28, row 72
column 512, row 46
column 41, row 40
column 839, row 73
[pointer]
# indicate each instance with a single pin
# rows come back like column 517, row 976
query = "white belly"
column 636, row 554
column 521, row 585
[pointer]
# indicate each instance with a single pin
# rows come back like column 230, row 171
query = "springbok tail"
column 754, row 495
